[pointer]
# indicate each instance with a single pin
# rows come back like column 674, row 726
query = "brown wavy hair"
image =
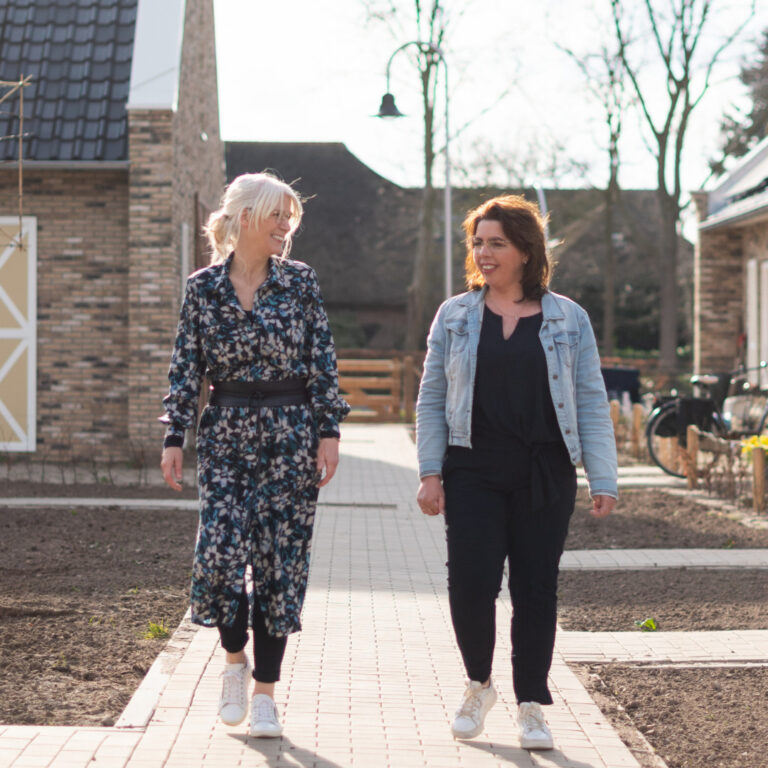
column 524, row 227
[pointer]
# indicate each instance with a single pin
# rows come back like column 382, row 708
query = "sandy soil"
column 79, row 587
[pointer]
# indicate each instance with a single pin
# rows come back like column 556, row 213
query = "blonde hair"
column 258, row 195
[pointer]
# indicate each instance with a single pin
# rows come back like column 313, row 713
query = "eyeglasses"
column 494, row 244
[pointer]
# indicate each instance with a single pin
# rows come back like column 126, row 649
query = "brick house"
column 731, row 268
column 121, row 156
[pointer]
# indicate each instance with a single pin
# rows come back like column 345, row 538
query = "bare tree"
column 740, row 130
column 605, row 79
column 540, row 159
column 676, row 28
column 430, row 29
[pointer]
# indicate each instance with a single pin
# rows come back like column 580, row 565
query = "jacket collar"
column 472, row 298
column 550, row 306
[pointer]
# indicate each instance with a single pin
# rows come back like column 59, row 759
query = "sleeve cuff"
column 173, row 441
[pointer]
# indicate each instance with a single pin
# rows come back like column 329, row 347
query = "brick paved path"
column 375, row 676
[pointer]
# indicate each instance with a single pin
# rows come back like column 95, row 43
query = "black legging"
column 268, row 651
column 489, row 520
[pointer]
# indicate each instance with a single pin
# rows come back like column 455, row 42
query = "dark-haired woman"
column 511, row 399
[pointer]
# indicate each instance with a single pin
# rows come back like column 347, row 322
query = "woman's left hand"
column 602, row 506
column 327, row 459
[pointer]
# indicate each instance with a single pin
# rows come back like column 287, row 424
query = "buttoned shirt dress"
column 257, row 473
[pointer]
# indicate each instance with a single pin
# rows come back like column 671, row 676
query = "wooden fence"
column 698, row 442
column 379, row 390
column 629, row 429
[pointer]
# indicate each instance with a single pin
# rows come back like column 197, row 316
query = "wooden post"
column 637, row 429
column 409, row 393
column 667, row 449
column 692, row 442
column 615, row 412
column 758, row 480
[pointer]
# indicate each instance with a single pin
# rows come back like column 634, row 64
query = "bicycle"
column 730, row 407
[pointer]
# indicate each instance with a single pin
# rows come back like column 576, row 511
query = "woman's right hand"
column 171, row 464
column 430, row 497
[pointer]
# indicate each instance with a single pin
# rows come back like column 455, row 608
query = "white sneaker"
column 532, row 728
column 233, row 704
column 264, row 722
column 475, row 705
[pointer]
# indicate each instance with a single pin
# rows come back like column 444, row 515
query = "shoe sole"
column 233, row 722
column 536, row 744
column 470, row 735
column 259, row 734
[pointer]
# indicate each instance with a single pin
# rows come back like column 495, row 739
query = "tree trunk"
column 668, row 277
column 609, row 272
column 419, row 290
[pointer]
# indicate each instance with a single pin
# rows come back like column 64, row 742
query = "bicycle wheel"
column 661, row 437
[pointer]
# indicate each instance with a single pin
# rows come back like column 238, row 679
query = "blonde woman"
column 253, row 323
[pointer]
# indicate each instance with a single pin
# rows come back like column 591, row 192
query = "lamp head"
column 388, row 107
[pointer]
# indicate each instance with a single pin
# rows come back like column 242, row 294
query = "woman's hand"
column 430, row 497
column 327, row 459
column 171, row 464
column 602, row 506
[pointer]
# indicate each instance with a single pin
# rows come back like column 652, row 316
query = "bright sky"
column 313, row 70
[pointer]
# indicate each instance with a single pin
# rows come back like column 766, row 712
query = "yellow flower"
column 756, row 441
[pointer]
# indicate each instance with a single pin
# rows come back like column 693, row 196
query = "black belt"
column 258, row 394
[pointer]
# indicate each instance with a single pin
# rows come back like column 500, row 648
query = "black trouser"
column 489, row 519
column 268, row 650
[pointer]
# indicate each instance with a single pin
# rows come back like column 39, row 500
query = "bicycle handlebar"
column 742, row 369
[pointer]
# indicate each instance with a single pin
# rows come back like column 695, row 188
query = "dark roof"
column 359, row 230
column 79, row 54
column 360, row 233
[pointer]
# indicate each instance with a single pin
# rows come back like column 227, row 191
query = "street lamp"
column 388, row 108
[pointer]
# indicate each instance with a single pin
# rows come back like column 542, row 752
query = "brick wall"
column 175, row 155
column 153, row 274
column 198, row 149
column 82, row 220
column 718, row 295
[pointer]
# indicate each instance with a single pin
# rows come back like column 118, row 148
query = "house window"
column 18, row 333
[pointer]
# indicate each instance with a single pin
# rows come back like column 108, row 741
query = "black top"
column 514, row 425
column 512, row 404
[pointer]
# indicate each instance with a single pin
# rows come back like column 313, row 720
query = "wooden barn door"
column 18, row 333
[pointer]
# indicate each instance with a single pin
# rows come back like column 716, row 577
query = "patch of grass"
column 156, row 631
column 647, row 625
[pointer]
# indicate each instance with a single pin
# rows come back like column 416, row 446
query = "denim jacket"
column 444, row 408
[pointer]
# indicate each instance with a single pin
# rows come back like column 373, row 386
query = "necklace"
column 514, row 315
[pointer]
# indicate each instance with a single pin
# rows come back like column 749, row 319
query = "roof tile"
column 79, row 53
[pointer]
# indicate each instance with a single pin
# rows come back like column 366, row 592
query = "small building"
column 120, row 153
column 731, row 269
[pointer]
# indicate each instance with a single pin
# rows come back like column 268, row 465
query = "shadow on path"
column 511, row 753
column 273, row 751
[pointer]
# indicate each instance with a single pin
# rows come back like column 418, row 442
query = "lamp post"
column 389, row 109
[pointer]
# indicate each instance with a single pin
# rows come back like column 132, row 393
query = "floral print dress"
column 257, row 473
